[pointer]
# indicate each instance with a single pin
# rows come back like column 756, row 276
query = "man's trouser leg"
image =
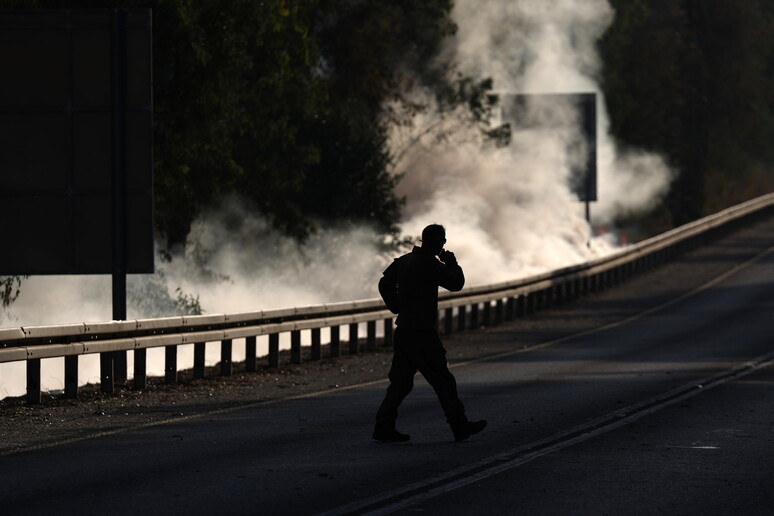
column 401, row 378
column 435, row 370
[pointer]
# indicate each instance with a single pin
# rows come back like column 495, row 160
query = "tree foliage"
column 693, row 80
column 10, row 288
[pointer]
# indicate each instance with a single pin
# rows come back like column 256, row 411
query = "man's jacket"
column 409, row 287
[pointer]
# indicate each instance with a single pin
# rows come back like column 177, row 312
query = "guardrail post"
column 335, row 341
column 226, row 365
column 107, row 377
column 119, row 366
column 353, row 338
column 388, row 331
column 316, row 344
column 462, row 316
column 71, row 376
column 170, row 364
column 200, row 349
column 532, row 301
column 274, row 350
column 140, row 371
column 295, row 347
column 474, row 316
column 500, row 312
column 521, row 305
column 251, row 354
column 487, row 313
column 33, row 381
column 448, row 321
column 371, row 336
column 510, row 309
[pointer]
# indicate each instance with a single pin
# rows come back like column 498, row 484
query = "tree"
column 689, row 79
column 237, row 89
column 10, row 288
column 374, row 55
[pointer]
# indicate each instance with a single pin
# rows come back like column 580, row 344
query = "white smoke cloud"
column 234, row 260
column 250, row 265
column 509, row 212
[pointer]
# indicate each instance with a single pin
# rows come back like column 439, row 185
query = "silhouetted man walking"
column 409, row 288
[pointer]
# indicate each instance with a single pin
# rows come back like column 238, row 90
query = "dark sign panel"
column 61, row 130
column 549, row 111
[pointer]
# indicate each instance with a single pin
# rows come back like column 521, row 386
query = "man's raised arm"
column 450, row 273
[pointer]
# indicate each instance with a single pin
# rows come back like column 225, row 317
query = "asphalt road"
column 667, row 412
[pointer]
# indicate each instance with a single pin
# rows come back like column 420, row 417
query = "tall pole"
column 113, row 364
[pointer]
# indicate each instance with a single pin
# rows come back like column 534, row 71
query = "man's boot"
column 464, row 430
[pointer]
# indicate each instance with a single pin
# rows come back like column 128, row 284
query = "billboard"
column 76, row 158
column 571, row 115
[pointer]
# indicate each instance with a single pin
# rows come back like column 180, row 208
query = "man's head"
column 433, row 238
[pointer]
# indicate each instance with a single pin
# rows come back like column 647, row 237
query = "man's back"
column 410, row 287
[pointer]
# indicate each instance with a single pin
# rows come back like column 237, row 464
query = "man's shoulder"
column 396, row 262
column 408, row 257
column 413, row 259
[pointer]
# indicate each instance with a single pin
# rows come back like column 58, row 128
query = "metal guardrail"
column 457, row 311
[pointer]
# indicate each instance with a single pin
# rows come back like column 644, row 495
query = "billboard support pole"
column 113, row 364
